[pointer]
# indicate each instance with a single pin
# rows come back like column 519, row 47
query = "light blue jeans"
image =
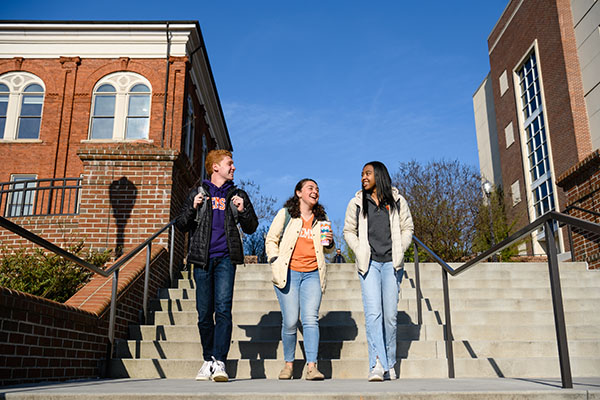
column 380, row 287
column 301, row 297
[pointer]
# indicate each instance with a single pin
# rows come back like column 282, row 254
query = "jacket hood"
column 214, row 189
column 395, row 193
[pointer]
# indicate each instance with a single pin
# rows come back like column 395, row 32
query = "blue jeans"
column 300, row 297
column 380, row 287
column 214, row 295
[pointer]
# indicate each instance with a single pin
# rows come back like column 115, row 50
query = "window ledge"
column 117, row 141
column 21, row 141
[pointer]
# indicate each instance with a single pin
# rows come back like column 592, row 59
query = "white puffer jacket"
column 283, row 250
column 356, row 231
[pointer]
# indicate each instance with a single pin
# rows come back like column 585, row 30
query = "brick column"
column 126, row 195
column 581, row 184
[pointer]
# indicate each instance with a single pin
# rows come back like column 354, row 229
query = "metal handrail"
column 559, row 319
column 114, row 269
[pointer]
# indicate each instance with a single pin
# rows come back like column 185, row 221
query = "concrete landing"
column 187, row 389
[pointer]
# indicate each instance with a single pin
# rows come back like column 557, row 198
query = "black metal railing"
column 547, row 221
column 32, row 197
column 114, row 269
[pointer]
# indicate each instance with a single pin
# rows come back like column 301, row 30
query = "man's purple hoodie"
column 218, row 240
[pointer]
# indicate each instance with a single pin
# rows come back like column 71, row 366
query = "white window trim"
column 536, row 235
column 122, row 82
column 17, row 81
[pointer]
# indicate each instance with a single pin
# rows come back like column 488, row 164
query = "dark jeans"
column 214, row 295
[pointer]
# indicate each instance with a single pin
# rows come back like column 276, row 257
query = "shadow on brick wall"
column 123, row 194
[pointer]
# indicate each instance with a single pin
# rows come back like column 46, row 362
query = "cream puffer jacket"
column 356, row 231
column 283, row 251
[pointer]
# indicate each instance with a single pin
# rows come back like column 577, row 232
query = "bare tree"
column 264, row 206
column 444, row 199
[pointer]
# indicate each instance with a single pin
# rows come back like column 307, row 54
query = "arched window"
column 30, row 116
column 103, row 112
column 121, row 107
column 138, row 112
column 21, row 105
column 4, row 95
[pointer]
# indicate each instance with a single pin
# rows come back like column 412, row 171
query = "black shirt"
column 380, row 235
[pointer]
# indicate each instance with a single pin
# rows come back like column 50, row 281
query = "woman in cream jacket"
column 378, row 227
column 297, row 259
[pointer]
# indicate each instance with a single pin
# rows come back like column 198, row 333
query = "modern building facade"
column 537, row 113
column 104, row 124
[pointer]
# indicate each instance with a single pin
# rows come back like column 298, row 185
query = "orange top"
column 304, row 258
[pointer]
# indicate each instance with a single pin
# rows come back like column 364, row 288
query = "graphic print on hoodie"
column 218, row 197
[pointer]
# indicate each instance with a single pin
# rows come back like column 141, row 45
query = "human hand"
column 198, row 200
column 238, row 202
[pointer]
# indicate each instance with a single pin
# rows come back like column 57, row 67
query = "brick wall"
column 581, row 183
column 550, row 23
column 42, row 340
column 69, row 85
column 61, row 230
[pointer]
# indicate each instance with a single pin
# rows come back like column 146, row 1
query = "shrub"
column 47, row 274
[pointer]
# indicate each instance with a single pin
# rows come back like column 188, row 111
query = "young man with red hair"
column 211, row 215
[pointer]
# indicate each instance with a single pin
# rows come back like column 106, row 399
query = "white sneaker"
column 376, row 374
column 390, row 375
column 205, row 371
column 219, row 374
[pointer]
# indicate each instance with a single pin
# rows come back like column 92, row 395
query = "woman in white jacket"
column 378, row 227
column 296, row 255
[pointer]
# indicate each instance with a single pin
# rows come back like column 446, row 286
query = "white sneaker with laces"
column 205, row 371
column 376, row 374
column 219, row 374
column 390, row 375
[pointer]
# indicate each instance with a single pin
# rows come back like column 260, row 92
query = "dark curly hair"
column 293, row 203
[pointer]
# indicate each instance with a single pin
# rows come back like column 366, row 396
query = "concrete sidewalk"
column 127, row 389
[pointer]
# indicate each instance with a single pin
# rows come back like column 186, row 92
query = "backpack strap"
column 286, row 221
column 206, row 195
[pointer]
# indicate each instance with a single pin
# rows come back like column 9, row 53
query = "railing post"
column 111, row 322
column 570, row 232
column 171, row 255
column 557, row 304
column 448, row 325
column 147, row 281
column 418, row 286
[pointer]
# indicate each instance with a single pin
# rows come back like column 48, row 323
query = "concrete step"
column 248, row 288
column 272, row 349
column 501, row 304
column 459, row 317
column 351, row 331
column 358, row 368
column 351, row 389
column 274, row 317
column 241, row 304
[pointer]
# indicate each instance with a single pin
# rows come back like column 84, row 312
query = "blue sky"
column 318, row 88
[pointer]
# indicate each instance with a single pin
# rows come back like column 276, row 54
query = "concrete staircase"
column 502, row 320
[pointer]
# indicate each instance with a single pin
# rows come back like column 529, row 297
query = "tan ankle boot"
column 313, row 374
column 286, row 372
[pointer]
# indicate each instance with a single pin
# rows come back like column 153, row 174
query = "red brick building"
column 124, row 111
column 538, row 111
